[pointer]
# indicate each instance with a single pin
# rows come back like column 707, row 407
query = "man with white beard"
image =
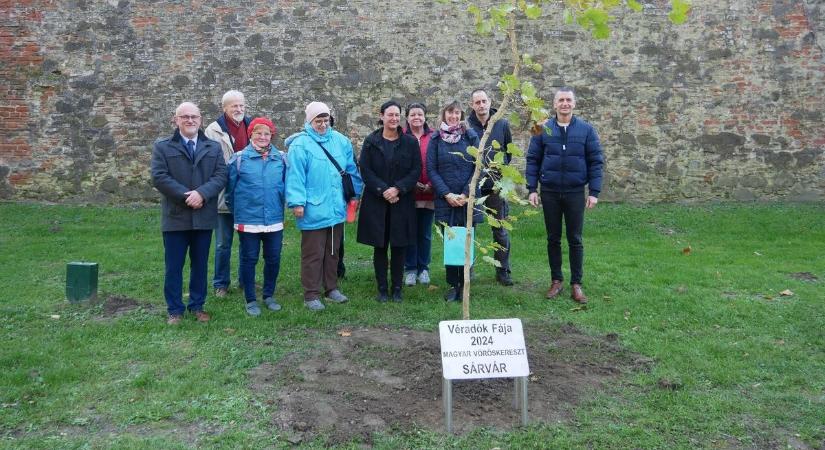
column 230, row 130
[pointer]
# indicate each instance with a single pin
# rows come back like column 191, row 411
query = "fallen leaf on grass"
column 346, row 332
column 780, row 342
column 757, row 253
column 786, row 293
column 606, row 298
column 55, row 316
column 579, row 308
column 432, row 287
column 687, row 250
column 229, row 330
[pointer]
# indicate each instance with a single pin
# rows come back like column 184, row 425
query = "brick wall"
column 728, row 106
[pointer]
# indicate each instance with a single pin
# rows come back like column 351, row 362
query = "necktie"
column 190, row 145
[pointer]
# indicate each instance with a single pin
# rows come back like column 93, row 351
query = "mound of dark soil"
column 370, row 380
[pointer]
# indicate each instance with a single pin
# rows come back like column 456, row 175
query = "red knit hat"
column 260, row 121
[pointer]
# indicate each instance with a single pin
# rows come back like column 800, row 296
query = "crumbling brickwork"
column 728, row 106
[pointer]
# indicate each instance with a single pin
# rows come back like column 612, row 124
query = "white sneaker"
column 409, row 278
column 424, row 277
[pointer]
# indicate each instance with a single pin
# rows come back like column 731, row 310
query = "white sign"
column 491, row 348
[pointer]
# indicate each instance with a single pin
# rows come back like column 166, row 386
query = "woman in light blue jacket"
column 255, row 194
column 314, row 192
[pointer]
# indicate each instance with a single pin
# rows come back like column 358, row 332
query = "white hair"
column 231, row 95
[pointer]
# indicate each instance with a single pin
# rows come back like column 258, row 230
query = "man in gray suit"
column 189, row 171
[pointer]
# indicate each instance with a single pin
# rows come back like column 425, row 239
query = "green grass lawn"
column 746, row 362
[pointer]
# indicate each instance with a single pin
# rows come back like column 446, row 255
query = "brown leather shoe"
column 173, row 319
column 202, row 316
column 555, row 289
column 577, row 294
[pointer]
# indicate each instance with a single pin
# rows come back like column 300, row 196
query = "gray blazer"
column 174, row 173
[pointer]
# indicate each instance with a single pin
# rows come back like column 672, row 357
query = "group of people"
column 231, row 178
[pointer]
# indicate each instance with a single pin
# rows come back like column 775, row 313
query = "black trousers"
column 567, row 207
column 396, row 263
column 396, row 260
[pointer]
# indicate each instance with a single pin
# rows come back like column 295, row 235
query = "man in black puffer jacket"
column 478, row 120
column 564, row 158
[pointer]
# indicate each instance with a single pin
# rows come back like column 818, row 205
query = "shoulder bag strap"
column 331, row 159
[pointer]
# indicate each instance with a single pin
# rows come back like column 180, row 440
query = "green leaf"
column 634, row 5
column 514, row 149
column 528, row 90
column 515, row 120
column 527, row 59
column 483, row 199
column 473, row 151
column 601, row 31
column 491, row 260
column 496, row 144
column 533, row 12
column 512, row 173
column 536, row 67
column 499, row 157
column 679, row 11
column 568, row 17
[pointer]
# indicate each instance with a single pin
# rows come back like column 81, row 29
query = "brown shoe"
column 220, row 292
column 202, row 316
column 555, row 289
column 577, row 294
column 173, row 319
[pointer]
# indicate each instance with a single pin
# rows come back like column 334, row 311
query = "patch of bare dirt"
column 372, row 380
column 803, row 276
column 117, row 305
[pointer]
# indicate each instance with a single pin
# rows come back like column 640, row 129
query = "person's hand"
column 428, row 188
column 591, row 202
column 420, row 186
column 453, row 200
column 391, row 193
column 462, row 200
column 194, row 199
column 298, row 212
column 533, row 198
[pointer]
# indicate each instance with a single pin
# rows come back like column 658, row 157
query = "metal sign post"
column 481, row 349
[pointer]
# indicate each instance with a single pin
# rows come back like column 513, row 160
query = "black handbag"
column 346, row 178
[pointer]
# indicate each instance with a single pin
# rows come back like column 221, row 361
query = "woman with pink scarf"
column 450, row 168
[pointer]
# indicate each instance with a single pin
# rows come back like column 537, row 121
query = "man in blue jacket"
column 478, row 119
column 189, row 171
column 564, row 158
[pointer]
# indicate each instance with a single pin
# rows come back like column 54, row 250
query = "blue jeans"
column 418, row 255
column 175, row 246
column 223, row 251
column 251, row 244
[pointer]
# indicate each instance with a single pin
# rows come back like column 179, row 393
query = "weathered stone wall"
column 727, row 106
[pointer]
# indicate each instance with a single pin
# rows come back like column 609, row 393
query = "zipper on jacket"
column 563, row 154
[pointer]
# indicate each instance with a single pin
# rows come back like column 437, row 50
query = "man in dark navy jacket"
column 478, row 119
column 564, row 158
column 189, row 171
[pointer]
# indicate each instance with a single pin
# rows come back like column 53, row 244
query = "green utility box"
column 81, row 281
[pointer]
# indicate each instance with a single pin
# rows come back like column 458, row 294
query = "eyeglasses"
column 192, row 118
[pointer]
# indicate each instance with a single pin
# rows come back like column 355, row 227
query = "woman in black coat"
column 390, row 164
column 450, row 168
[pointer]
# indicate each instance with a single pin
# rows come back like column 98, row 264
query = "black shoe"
column 382, row 297
column 503, row 278
column 453, row 294
column 396, row 295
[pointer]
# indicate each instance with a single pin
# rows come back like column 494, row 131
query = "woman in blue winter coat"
column 450, row 168
column 316, row 197
column 255, row 194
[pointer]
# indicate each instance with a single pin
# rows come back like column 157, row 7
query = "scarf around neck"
column 450, row 134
